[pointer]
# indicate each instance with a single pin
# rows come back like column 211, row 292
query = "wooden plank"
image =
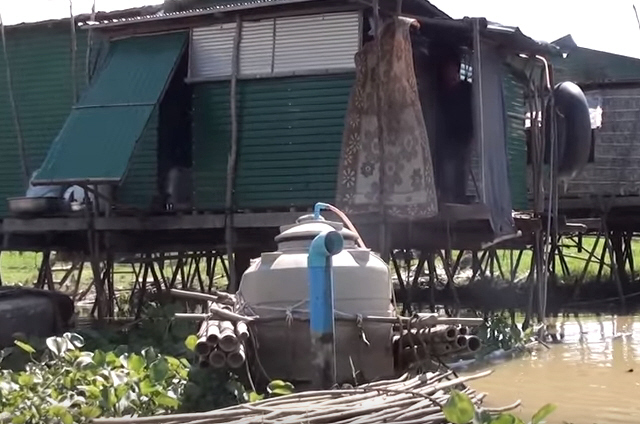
column 592, row 202
column 203, row 221
column 151, row 223
column 39, row 225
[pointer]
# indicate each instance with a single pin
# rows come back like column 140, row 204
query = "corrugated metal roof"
column 592, row 67
column 223, row 6
column 98, row 138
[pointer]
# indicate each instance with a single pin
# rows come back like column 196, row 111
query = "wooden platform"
column 458, row 227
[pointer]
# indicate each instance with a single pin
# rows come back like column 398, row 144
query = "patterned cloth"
column 407, row 182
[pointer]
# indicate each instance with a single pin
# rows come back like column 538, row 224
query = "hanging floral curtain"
column 398, row 141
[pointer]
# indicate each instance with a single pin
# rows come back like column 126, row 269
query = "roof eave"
column 191, row 13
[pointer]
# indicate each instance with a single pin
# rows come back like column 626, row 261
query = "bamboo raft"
column 224, row 339
column 225, row 336
column 409, row 399
column 224, row 333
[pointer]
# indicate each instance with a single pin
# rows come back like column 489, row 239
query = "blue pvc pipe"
column 321, row 303
column 317, row 208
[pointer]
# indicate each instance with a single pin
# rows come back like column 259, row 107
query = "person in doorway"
column 454, row 129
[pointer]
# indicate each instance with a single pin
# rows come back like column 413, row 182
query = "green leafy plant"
column 67, row 385
column 501, row 332
column 158, row 329
column 274, row 389
column 459, row 409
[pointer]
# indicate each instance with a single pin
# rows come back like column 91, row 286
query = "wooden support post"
column 617, row 242
column 225, row 269
column 78, row 281
column 514, row 268
column 143, row 290
column 406, row 305
column 109, row 284
column 531, row 285
column 494, row 252
column 415, row 285
column 456, row 264
column 433, row 278
column 446, row 262
column 231, row 164
column 199, row 276
column 476, row 265
column 152, row 268
column 614, row 268
column 601, row 258
column 383, row 240
column 540, row 275
column 212, row 274
column 183, row 274
column 629, row 244
column 41, row 272
column 491, row 263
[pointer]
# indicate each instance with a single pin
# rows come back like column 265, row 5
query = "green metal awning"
column 101, row 132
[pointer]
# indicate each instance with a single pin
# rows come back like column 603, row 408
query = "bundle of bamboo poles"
column 427, row 335
column 409, row 399
column 222, row 343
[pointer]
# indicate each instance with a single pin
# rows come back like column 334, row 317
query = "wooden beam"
column 39, row 225
column 150, row 223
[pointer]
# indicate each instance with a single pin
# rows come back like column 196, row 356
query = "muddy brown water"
column 593, row 377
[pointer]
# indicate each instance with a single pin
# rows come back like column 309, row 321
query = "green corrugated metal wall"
column 290, row 135
column 40, row 63
column 40, row 59
column 516, row 142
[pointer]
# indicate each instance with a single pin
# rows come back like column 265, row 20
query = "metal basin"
column 35, row 205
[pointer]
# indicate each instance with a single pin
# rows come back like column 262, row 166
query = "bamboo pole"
column 242, row 331
column 216, row 297
column 236, row 358
column 228, row 340
column 217, row 358
column 233, row 153
column 410, row 400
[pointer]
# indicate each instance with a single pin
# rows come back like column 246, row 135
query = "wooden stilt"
column 406, row 305
column 614, row 268
column 433, row 279
column 415, row 285
column 446, row 261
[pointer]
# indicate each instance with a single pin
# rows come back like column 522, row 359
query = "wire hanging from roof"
column 14, row 108
column 74, row 48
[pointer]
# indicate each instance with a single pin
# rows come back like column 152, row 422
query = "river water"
column 593, row 377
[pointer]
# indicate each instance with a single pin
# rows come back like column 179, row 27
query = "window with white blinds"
column 281, row 46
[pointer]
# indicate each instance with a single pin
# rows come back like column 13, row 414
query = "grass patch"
column 21, row 268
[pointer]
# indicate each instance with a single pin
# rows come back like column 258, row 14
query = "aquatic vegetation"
column 459, row 409
column 500, row 331
column 65, row 384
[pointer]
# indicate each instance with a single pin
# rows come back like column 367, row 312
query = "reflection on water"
column 593, row 377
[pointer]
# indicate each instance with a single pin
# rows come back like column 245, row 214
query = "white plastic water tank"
column 278, row 282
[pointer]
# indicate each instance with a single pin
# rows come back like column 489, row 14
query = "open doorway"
column 175, row 155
